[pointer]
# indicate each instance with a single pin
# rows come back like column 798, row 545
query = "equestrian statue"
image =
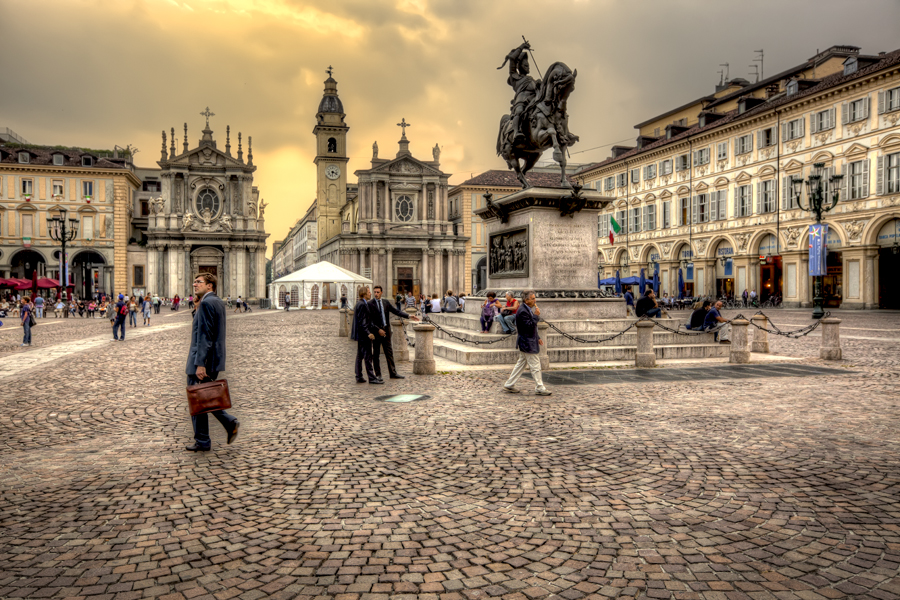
column 538, row 118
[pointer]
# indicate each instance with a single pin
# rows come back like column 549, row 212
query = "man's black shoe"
column 379, row 381
column 233, row 435
column 360, row 381
column 397, row 376
column 196, row 448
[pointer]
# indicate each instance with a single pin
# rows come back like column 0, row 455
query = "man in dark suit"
column 528, row 343
column 206, row 358
column 364, row 330
column 378, row 311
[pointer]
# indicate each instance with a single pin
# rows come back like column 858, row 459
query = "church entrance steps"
column 474, row 355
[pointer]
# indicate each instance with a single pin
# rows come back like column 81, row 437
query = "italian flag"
column 613, row 228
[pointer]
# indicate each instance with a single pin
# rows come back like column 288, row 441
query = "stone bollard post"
column 424, row 361
column 645, row 356
column 739, row 343
column 398, row 341
column 349, row 318
column 410, row 310
column 342, row 325
column 760, row 336
column 831, row 339
column 544, row 356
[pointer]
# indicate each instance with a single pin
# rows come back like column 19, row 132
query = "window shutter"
column 879, row 176
column 695, row 206
column 865, row 176
column 845, row 184
column 723, row 209
column 749, row 147
column 652, row 216
column 785, row 192
column 801, row 123
column 784, row 132
column 812, row 122
column 845, row 113
column 865, row 107
column 759, row 138
column 737, row 200
column 758, row 197
column 830, row 118
column 880, row 102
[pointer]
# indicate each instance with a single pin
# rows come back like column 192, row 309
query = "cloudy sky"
column 95, row 73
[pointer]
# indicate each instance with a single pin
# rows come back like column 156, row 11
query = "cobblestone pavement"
column 786, row 487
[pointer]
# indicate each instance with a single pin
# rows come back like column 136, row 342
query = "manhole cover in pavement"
column 403, row 398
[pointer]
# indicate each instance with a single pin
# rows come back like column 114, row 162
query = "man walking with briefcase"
column 206, row 358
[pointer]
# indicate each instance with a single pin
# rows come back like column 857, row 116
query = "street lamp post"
column 817, row 202
column 63, row 230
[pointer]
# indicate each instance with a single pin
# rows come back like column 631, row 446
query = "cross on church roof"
column 403, row 125
column 329, row 70
column 207, row 114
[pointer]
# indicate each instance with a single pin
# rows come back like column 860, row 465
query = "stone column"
column 251, row 274
column 151, row 269
column 804, row 284
column 424, row 282
column 188, row 274
column 740, row 353
column 440, row 272
column 760, row 336
column 161, row 286
column 225, row 275
column 869, row 291
column 398, row 341
column 342, row 323
column 424, row 361
column 831, row 339
column 645, row 356
column 543, row 349
column 389, row 281
column 463, row 275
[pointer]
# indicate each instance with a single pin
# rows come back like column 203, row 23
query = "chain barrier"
column 428, row 320
column 409, row 342
column 584, row 341
column 795, row 334
column 679, row 331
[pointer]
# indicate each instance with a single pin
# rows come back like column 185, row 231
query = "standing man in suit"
column 206, row 358
column 364, row 330
column 379, row 310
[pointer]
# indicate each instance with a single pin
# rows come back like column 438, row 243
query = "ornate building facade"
column 707, row 188
column 209, row 217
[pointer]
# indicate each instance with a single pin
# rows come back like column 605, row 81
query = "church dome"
column 330, row 102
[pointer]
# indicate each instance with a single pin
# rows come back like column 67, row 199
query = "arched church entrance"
column 888, row 240
column 208, row 259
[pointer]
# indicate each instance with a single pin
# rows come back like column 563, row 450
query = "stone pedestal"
column 545, row 239
column 760, row 336
column 543, row 330
column 348, row 319
column 398, row 341
column 740, row 352
column 831, row 339
column 645, row 356
column 342, row 325
column 424, row 360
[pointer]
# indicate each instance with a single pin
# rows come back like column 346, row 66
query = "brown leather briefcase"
column 209, row 396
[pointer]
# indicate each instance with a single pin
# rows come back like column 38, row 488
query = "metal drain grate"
column 667, row 375
column 403, row 398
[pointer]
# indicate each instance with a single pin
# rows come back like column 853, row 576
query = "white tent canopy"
column 316, row 286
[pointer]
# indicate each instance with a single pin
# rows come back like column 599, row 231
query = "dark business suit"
column 208, row 350
column 380, row 313
column 362, row 327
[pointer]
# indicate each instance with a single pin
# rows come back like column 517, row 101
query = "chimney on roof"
column 672, row 130
column 645, row 140
column 618, row 151
column 748, row 102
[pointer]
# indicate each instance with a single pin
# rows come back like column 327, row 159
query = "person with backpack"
column 119, row 312
column 489, row 310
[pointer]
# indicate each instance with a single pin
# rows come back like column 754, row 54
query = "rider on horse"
column 526, row 88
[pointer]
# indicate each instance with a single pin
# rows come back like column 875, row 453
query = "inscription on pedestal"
column 509, row 253
column 556, row 241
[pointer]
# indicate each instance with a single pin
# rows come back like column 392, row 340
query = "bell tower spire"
column 331, row 160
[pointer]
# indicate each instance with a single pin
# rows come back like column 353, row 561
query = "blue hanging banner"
column 817, row 249
column 729, row 268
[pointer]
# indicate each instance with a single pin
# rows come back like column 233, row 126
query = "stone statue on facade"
column 538, row 118
column 156, row 205
column 187, row 221
column 262, row 208
column 375, row 150
column 226, row 224
column 436, row 153
column 251, row 209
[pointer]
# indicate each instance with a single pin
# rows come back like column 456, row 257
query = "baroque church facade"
column 394, row 226
column 208, row 218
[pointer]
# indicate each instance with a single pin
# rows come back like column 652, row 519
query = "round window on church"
column 404, row 209
column 207, row 203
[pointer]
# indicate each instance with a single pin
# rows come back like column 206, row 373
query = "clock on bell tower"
column 331, row 161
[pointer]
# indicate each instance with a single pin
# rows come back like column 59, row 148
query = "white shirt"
column 435, row 305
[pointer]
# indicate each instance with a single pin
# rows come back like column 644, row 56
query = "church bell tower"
column 331, row 161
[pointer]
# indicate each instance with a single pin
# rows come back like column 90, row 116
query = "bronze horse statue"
column 544, row 124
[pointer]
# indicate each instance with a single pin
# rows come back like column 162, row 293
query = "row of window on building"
column 857, row 110
column 713, row 206
column 27, row 225
column 57, row 187
column 59, row 159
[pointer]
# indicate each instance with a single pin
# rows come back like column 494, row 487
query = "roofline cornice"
column 62, row 170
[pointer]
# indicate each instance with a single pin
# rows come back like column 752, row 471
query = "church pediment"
column 406, row 165
column 205, row 156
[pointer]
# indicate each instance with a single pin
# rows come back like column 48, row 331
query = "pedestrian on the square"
column 695, row 322
column 287, row 302
column 379, row 310
column 399, row 300
column 247, row 307
column 119, row 312
column 175, row 302
column 344, row 303
column 146, row 309
column 25, row 312
column 206, row 358
column 363, row 332
column 39, row 307
column 59, row 309
column 629, row 302
column 238, row 305
column 528, row 342
column 155, row 303
column 410, row 301
column 132, row 311
column 648, row 305
column 451, row 302
column 712, row 319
